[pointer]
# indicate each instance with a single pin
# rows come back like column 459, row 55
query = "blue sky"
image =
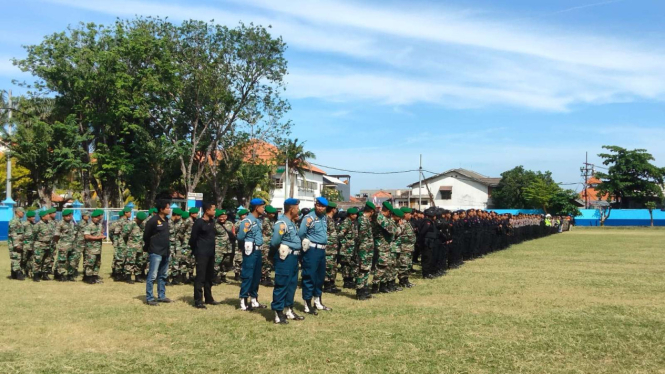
column 483, row 85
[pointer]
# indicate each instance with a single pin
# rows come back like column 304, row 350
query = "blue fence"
column 621, row 217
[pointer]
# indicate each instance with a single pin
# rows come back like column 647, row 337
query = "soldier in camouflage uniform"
column 117, row 230
column 79, row 246
column 188, row 263
column 223, row 249
column 15, row 243
column 348, row 236
column 42, row 240
column 237, row 256
column 134, row 240
column 94, row 235
column 142, row 255
column 332, row 250
column 365, row 251
column 407, row 242
column 174, row 276
column 397, row 215
column 267, row 224
column 64, row 237
column 49, row 255
column 383, row 229
column 28, row 242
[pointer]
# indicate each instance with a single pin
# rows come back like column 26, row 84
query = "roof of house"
column 591, row 192
column 488, row 181
column 383, row 195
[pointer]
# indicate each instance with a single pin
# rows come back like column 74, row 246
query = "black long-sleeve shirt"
column 202, row 240
column 156, row 236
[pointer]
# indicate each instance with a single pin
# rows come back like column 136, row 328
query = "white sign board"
column 194, row 196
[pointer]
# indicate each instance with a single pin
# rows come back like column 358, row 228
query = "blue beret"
column 291, row 201
column 322, row 200
column 256, row 201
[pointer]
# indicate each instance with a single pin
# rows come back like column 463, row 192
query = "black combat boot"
column 375, row 288
column 309, row 309
column 216, row 281
column 128, row 279
column 269, row 282
column 367, row 292
column 280, row 318
column 360, row 294
column 383, row 288
column 138, row 279
column 223, row 279
column 326, row 286
column 395, row 287
column 71, row 278
column 236, row 277
column 13, row 275
column 20, row 276
column 45, row 277
column 36, row 277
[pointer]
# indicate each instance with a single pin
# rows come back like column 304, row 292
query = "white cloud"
column 393, row 55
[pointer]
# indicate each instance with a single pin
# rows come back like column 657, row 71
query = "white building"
column 306, row 190
column 455, row 189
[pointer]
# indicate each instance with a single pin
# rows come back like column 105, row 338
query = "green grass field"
column 588, row 301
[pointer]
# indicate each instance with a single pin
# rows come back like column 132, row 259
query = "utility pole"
column 7, row 153
column 420, row 183
column 585, row 174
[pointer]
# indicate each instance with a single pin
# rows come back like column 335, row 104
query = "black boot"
column 71, row 278
column 45, row 277
column 216, row 281
column 236, row 277
column 36, row 277
column 367, row 292
column 176, row 280
column 395, row 287
column 138, row 279
column 20, row 276
column 223, row 279
column 269, row 282
column 128, row 279
column 406, row 283
column 360, row 294
column 309, row 308
column 326, row 286
column 280, row 318
column 375, row 288
column 383, row 288
column 13, row 275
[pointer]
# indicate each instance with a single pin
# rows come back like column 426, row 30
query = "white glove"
column 305, row 244
column 283, row 251
column 249, row 246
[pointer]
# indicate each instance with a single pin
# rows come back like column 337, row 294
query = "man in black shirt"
column 202, row 243
column 156, row 244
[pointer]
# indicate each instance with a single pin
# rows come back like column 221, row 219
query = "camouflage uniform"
column 49, row 254
column 174, row 248
column 133, row 235
column 384, row 230
column 187, row 262
column 141, row 255
column 93, row 249
column 79, row 246
column 43, row 238
column 223, row 250
column 66, row 233
column 115, row 232
column 365, row 251
column 237, row 257
column 395, row 247
column 348, row 235
column 266, row 229
column 407, row 241
column 15, row 244
column 332, row 248
column 28, row 244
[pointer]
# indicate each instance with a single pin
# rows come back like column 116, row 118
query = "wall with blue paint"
column 621, row 217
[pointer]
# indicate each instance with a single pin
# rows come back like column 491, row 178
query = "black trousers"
column 205, row 269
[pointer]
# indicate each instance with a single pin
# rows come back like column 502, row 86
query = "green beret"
column 218, row 212
column 176, row 212
column 223, row 213
column 387, row 205
column 406, row 209
column 127, row 210
column 185, row 215
column 332, row 205
column 19, row 209
column 67, row 212
column 370, row 205
column 398, row 213
column 242, row 212
column 44, row 212
column 97, row 213
column 121, row 213
column 352, row 211
column 193, row 210
column 270, row 209
column 152, row 210
column 31, row 213
column 141, row 216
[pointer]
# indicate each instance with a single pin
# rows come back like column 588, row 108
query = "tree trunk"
column 293, row 184
column 651, row 215
column 44, row 193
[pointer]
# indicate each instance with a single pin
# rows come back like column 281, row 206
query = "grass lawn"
column 588, row 301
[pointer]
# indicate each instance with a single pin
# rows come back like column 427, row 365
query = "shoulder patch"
column 309, row 221
column 247, row 224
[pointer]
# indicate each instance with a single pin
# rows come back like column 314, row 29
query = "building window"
column 446, row 195
column 306, row 186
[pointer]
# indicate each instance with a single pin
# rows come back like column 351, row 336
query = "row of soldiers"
column 361, row 242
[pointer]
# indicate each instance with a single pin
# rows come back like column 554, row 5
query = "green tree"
column 563, row 203
column 631, row 179
column 509, row 194
column 332, row 194
column 294, row 153
column 541, row 191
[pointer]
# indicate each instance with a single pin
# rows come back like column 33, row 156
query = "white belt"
column 295, row 253
column 317, row 246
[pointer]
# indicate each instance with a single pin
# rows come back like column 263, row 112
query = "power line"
column 365, row 172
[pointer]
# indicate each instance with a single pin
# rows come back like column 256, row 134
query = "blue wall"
column 621, row 217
